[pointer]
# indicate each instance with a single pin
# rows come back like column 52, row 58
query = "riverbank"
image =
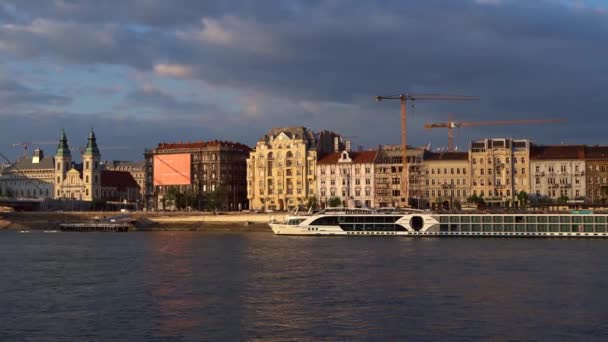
column 143, row 221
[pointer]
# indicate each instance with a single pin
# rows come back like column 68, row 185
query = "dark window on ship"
column 326, row 221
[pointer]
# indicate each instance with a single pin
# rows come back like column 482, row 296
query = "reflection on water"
column 208, row 286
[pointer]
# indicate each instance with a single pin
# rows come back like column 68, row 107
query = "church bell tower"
column 91, row 173
column 63, row 163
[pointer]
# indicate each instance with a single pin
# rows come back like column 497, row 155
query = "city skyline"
column 144, row 73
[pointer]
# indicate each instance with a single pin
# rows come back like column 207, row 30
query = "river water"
column 195, row 286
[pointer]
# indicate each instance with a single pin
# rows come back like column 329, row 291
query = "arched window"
column 289, row 154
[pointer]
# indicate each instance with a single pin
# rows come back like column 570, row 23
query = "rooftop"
column 201, row 144
column 445, row 156
column 118, row 179
column 596, row 152
column 553, row 152
column 294, row 132
column 26, row 164
column 360, row 157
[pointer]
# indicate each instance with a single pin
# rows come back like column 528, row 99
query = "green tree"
column 217, row 199
column 457, row 205
column 481, row 203
column 334, row 202
column 562, row 199
column 522, row 198
column 311, row 202
column 170, row 197
column 472, row 199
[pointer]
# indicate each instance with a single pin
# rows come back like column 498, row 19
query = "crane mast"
column 403, row 98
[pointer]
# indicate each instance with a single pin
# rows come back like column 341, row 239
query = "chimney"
column 347, row 147
column 37, row 157
column 336, row 144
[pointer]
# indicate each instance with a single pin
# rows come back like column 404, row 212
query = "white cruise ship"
column 362, row 222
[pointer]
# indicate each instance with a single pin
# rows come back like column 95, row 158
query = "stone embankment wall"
column 143, row 221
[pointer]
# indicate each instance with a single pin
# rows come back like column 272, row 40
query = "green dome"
column 63, row 150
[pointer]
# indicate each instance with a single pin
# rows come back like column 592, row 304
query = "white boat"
column 357, row 222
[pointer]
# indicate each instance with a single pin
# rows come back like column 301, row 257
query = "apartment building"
column 557, row 171
column 500, row 169
column 446, row 178
column 348, row 176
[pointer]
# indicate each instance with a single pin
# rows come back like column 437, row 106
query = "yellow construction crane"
column 451, row 125
column 403, row 98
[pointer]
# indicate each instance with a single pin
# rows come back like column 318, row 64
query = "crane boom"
column 450, row 125
column 508, row 122
column 403, row 98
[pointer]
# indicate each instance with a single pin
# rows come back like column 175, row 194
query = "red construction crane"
column 403, row 98
column 26, row 144
column 451, row 124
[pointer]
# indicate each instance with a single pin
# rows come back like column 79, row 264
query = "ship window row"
column 335, row 220
column 372, row 227
column 563, row 228
column 524, row 219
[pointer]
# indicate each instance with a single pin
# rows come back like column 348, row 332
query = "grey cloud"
column 522, row 58
column 14, row 94
column 159, row 102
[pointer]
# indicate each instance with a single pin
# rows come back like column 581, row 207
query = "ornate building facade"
column 557, row 171
column 78, row 181
column 348, row 176
column 499, row 169
column 282, row 169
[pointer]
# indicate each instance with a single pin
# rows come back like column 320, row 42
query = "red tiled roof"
column 428, row 155
column 553, row 152
column 361, row 157
column 596, row 152
column 118, row 179
column 201, row 144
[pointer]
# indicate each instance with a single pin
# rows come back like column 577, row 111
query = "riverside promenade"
column 198, row 221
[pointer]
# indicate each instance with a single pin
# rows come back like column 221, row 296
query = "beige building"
column 29, row 178
column 499, row 170
column 446, row 178
column 348, row 176
column 388, row 174
column 282, row 169
column 557, row 171
column 136, row 169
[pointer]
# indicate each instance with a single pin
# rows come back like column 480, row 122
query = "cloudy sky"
column 145, row 71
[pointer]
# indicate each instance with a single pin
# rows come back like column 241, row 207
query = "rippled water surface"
column 192, row 286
